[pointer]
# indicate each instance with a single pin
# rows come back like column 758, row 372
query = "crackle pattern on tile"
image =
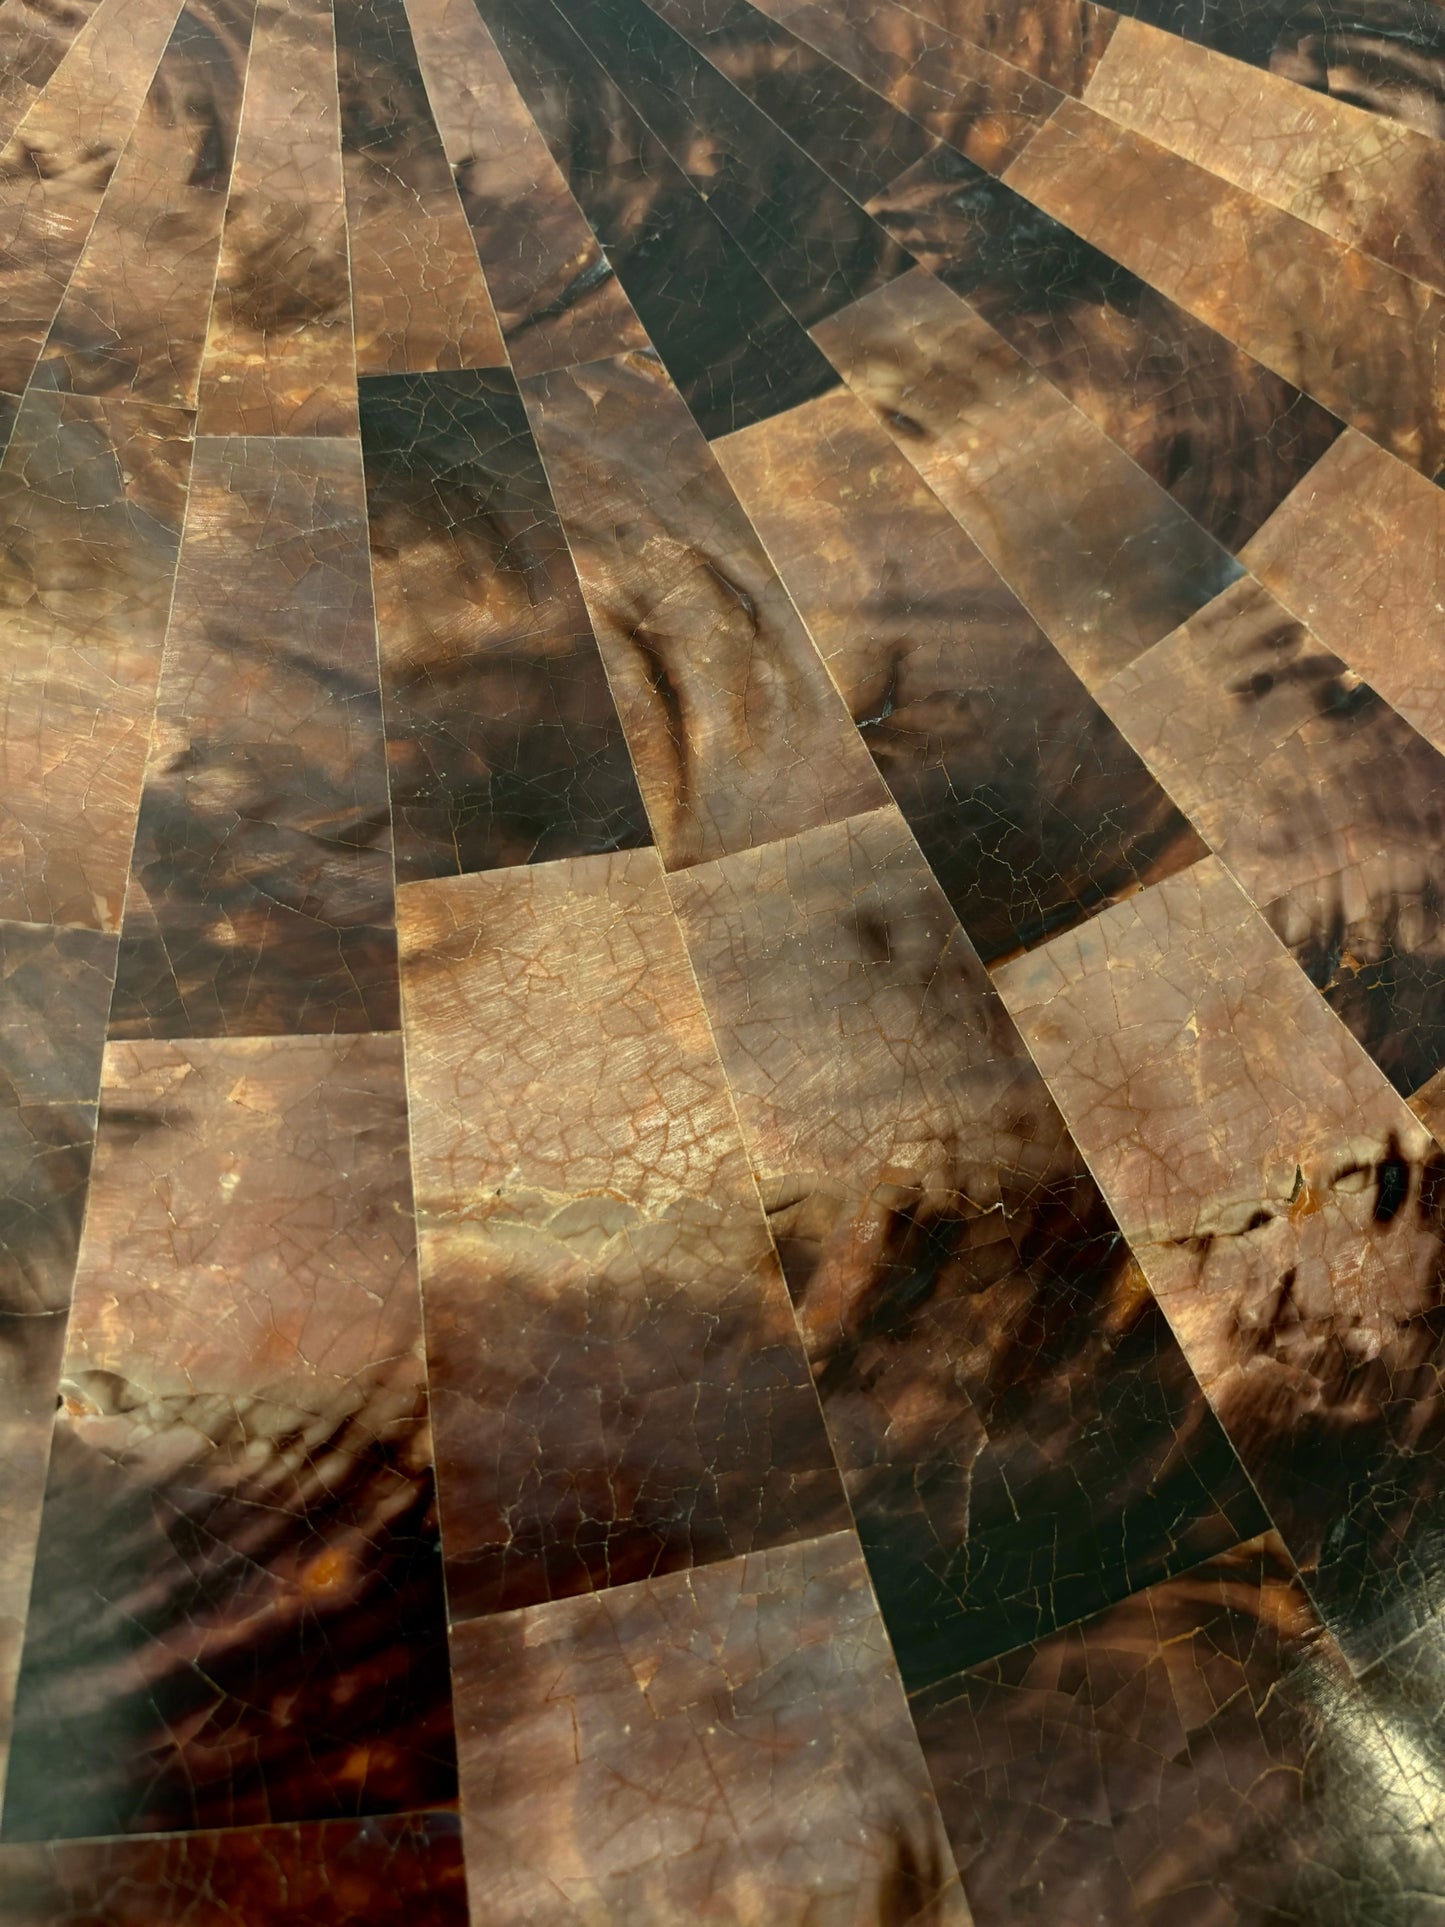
column 404, row 1872
column 1326, row 805
column 729, row 343
column 92, row 497
column 1020, row 1435
column 619, row 1389
column 1225, row 437
column 419, row 297
column 979, row 104
column 862, row 140
column 724, row 1744
column 1280, row 289
column 557, row 297
column 595, row 595
column 503, row 739
column 1199, row 1751
column 1105, row 561
column 133, row 320
column 737, row 732
column 279, row 356
column 1385, row 56
column 1358, row 552
column 260, row 898
column 1373, row 184
column 35, row 37
column 257, row 1633
column 1060, row 41
column 1031, row 808
column 55, row 168
column 1289, row 1211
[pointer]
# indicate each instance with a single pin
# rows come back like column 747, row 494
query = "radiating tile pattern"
column 722, row 963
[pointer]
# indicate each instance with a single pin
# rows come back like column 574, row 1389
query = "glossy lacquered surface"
column 722, row 963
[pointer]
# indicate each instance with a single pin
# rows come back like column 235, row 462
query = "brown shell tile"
column 1355, row 552
column 279, row 357
column 404, row 1872
column 737, row 732
column 1263, row 278
column 1326, row 805
column 1030, row 807
column 1286, row 1207
column 730, row 1743
column 242, row 1446
column 1018, row 1432
column 1199, row 1751
column 260, row 899
column 557, row 298
column 619, row 1386
column 1373, row 184
column 56, row 166
column 417, row 290
column 92, row 497
column 1102, row 558
column 133, row 319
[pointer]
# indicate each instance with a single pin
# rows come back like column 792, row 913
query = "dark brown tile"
column 812, row 243
column 279, row 357
column 1105, row 561
column 261, row 885
column 1029, row 805
column 1199, row 1752
column 1281, row 290
column 133, row 320
column 503, row 740
column 404, row 1872
column 1059, row 41
column 983, row 106
column 237, row 1615
column 55, row 168
column 619, row 1387
column 1222, row 434
column 856, row 136
column 735, row 351
column 92, row 496
column 419, row 297
column 737, row 733
column 1323, row 801
column 1289, row 1212
column 557, row 297
column 731, row 1743
column 1020, row 1436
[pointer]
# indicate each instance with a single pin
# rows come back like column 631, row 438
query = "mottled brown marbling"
column 92, row 497
column 737, row 732
column 730, row 1744
column 1199, row 1752
column 1265, row 279
column 1028, row 804
column 1326, row 805
column 619, row 1386
column 279, row 357
column 557, row 298
column 1020, row 1436
column 256, row 1630
column 1287, row 1208
column 261, row 884
column 1104, row 560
